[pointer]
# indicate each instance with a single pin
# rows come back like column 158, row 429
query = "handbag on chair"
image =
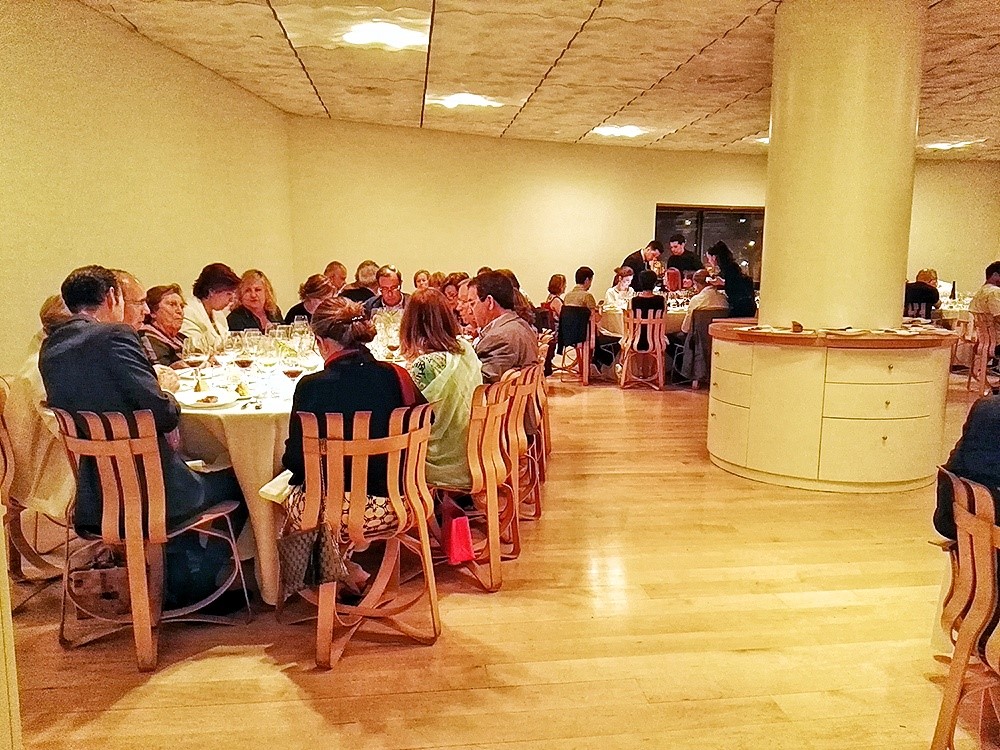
column 309, row 557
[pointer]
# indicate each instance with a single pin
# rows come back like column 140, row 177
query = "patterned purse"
column 309, row 557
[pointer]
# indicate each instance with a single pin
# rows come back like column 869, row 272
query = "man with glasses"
column 390, row 292
column 134, row 297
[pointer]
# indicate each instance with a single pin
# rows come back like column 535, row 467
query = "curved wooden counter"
column 818, row 410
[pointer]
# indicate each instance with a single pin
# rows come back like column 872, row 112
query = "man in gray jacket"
column 506, row 341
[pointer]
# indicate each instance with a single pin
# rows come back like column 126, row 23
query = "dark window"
column 742, row 229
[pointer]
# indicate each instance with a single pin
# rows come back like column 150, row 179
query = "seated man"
column 706, row 297
column 506, row 341
column 606, row 347
column 95, row 362
column 390, row 295
column 976, row 457
column 921, row 296
column 987, row 299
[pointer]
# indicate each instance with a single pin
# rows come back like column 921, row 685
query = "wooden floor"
column 660, row 603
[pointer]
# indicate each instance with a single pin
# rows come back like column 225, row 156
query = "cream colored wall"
column 955, row 225
column 114, row 150
column 451, row 202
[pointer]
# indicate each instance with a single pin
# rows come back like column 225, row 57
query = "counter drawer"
column 730, row 387
column 733, row 357
column 875, row 450
column 878, row 400
column 881, row 366
column 727, row 431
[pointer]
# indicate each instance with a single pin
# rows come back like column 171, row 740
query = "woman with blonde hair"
column 447, row 372
column 312, row 292
column 256, row 306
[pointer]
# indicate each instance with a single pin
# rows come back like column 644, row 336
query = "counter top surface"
column 746, row 331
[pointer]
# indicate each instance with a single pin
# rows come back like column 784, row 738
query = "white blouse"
column 208, row 332
column 615, row 298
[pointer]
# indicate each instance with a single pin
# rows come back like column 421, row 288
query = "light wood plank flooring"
column 660, row 603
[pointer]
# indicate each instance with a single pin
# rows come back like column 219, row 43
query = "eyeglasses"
column 394, row 288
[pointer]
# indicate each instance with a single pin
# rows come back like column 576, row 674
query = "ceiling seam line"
column 200, row 64
column 552, row 67
column 295, row 52
column 427, row 65
column 709, row 115
column 645, row 91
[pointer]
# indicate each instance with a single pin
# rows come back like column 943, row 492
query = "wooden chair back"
column 327, row 455
column 578, row 329
column 544, row 340
column 970, row 607
column 121, row 452
column 644, row 345
column 485, row 448
column 985, row 346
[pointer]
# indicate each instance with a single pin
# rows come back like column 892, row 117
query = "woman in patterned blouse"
column 447, row 371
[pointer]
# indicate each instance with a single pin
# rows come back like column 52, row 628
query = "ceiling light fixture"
column 387, row 34
column 618, row 131
column 945, row 146
column 464, row 100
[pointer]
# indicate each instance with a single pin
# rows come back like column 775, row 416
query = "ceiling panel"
column 694, row 75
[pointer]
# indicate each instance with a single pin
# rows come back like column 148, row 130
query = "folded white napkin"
column 277, row 489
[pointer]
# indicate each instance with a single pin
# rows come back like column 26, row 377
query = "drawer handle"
column 887, row 404
column 715, row 385
column 884, row 438
column 712, row 414
column 890, row 368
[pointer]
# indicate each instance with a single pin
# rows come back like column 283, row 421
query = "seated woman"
column 351, row 381
column 447, row 370
column 161, row 333
column 312, row 292
column 205, row 319
column 621, row 292
column 256, row 306
column 554, row 302
column 736, row 284
column 422, row 279
column 645, row 300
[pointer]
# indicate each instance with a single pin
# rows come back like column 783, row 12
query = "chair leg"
column 142, row 609
column 324, row 625
column 944, row 731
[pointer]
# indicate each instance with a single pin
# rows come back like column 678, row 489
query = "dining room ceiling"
column 693, row 75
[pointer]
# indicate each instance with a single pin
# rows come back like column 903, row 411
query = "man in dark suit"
column 95, row 362
column 976, row 456
column 640, row 260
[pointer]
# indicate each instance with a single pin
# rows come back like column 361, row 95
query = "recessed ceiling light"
column 765, row 140
column 945, row 146
column 464, row 100
column 617, row 131
column 387, row 34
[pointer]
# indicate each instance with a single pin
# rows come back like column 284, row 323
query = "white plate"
column 195, row 399
column 790, row 332
column 905, row 332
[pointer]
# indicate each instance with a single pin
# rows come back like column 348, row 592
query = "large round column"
column 826, row 409
column 844, row 100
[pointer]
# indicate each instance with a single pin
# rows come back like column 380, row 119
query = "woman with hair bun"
column 352, row 380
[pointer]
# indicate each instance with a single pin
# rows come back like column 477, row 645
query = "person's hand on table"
column 167, row 378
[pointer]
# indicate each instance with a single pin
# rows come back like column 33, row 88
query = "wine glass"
column 267, row 358
column 291, row 366
column 193, row 353
column 229, row 350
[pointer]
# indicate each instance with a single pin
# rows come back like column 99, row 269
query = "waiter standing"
column 640, row 260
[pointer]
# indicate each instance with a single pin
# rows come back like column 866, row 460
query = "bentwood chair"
column 492, row 498
column 644, row 349
column 19, row 548
column 524, row 447
column 126, row 453
column 577, row 330
column 399, row 521
column 982, row 353
column 969, row 613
